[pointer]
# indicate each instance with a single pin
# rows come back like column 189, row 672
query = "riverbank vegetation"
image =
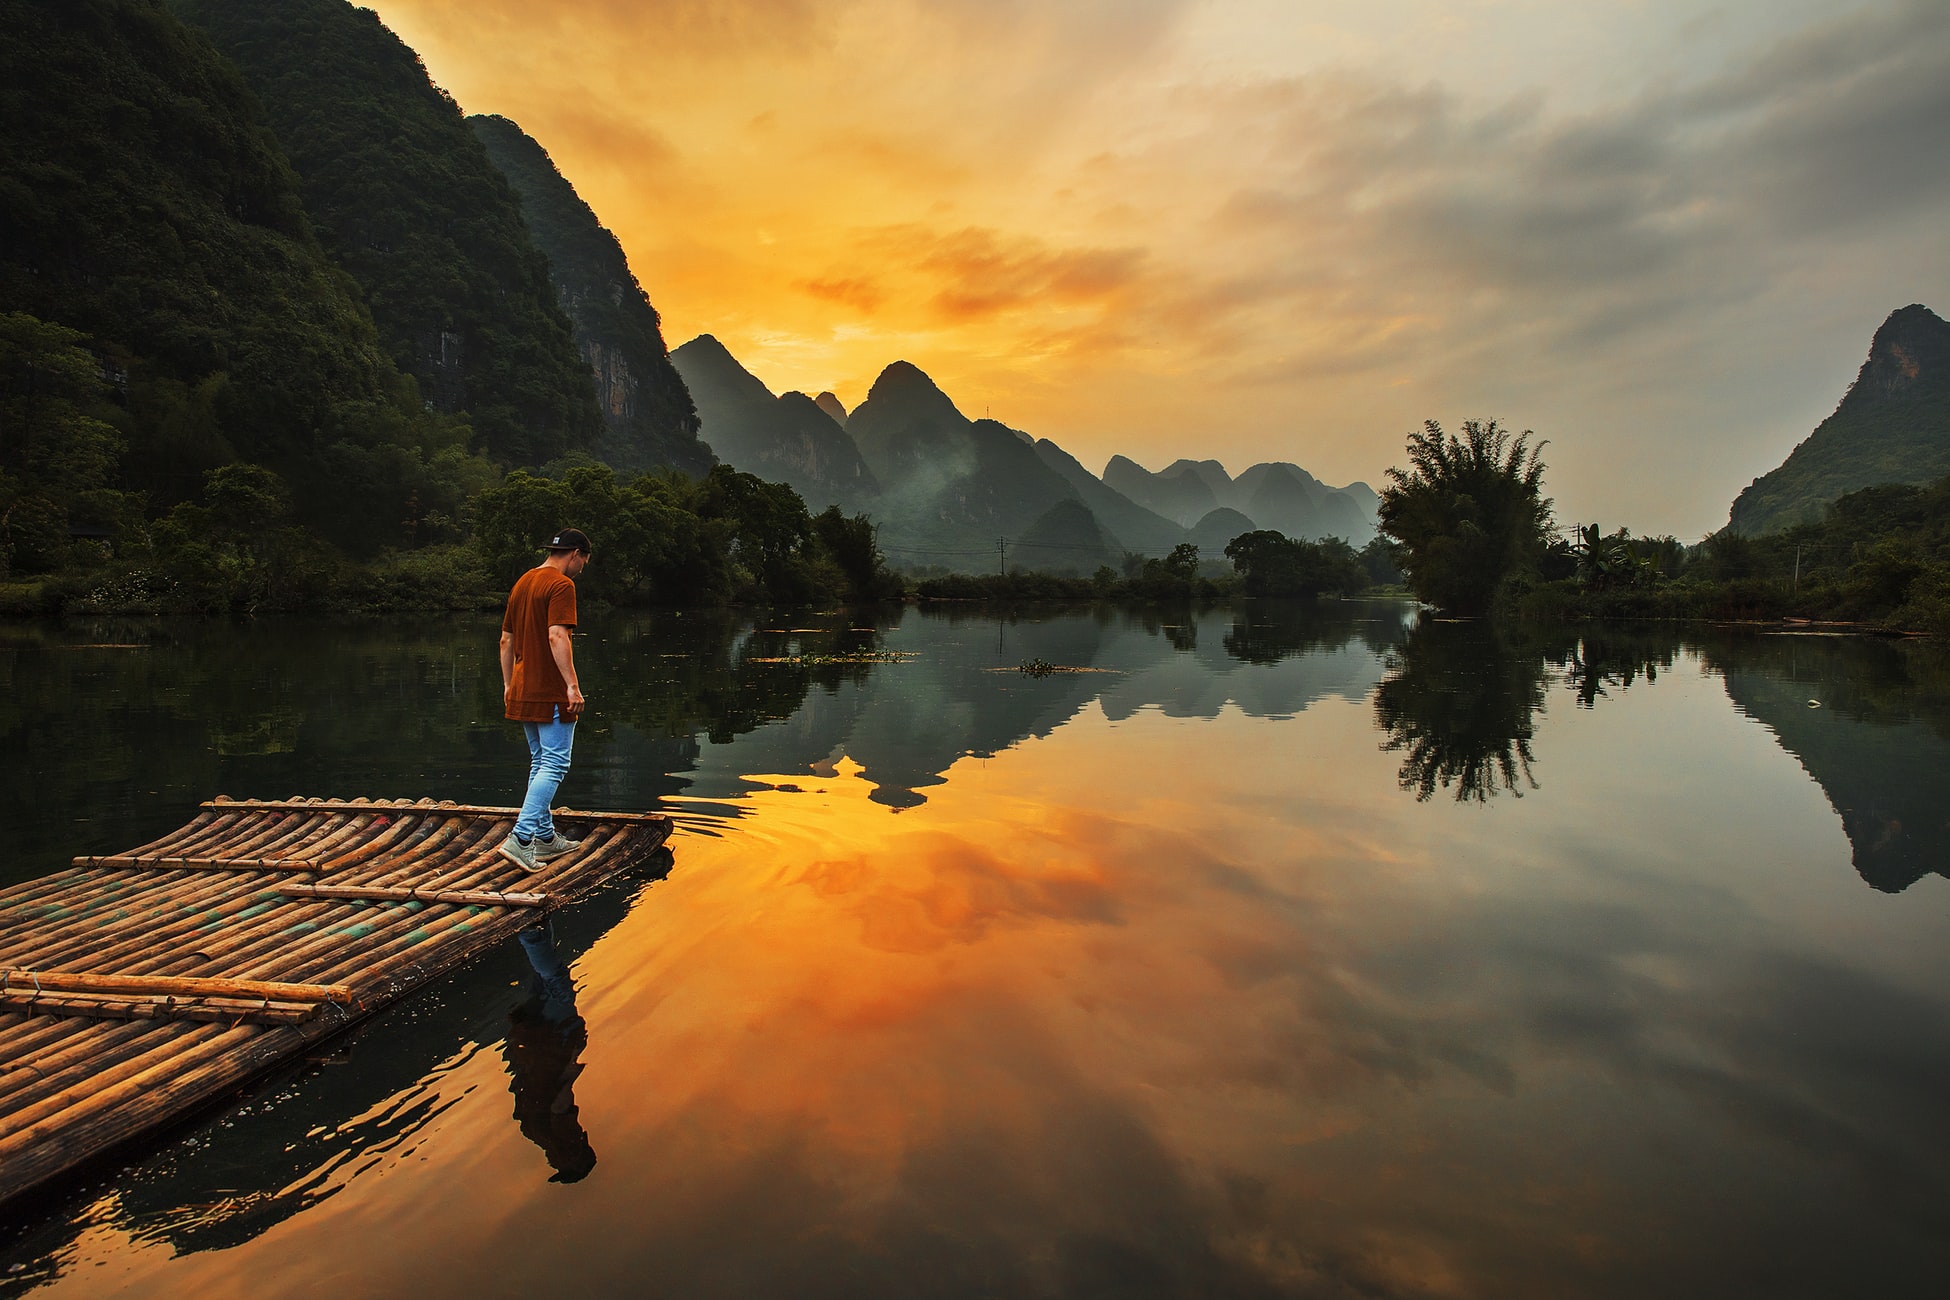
column 1474, row 535
column 1879, row 559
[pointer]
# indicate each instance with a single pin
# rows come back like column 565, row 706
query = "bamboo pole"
column 128, row 1081
column 86, row 1041
column 165, row 919
column 115, row 1087
column 475, row 809
column 157, row 1006
column 393, row 856
column 414, row 894
column 23, row 981
column 194, row 864
column 24, row 1049
column 164, row 1054
column 107, row 1118
column 112, row 1057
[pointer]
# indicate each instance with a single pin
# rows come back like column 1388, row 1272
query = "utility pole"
column 1002, row 555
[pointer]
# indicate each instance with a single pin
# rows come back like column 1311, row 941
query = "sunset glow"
column 1660, row 234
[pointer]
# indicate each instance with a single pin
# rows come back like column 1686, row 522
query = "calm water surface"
column 1269, row 952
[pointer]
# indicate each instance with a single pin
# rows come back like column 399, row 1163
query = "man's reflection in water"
column 545, row 1038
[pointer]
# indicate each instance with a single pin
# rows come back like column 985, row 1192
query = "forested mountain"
column 406, row 199
column 1893, row 426
column 648, row 417
column 1067, row 539
column 168, row 308
column 1140, row 530
column 944, row 477
column 788, row 438
column 1177, row 492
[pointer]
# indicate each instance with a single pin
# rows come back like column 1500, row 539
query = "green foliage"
column 853, row 544
column 406, row 199
column 1603, row 562
column 1379, row 559
column 145, row 204
column 1880, row 557
column 668, row 539
column 649, row 416
column 58, row 459
column 238, row 551
column 1468, row 514
column 1272, row 564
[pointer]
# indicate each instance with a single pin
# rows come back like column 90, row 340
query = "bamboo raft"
column 138, row 987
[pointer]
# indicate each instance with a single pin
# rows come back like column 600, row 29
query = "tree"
column 57, row 459
column 1603, row 562
column 1273, row 564
column 1468, row 514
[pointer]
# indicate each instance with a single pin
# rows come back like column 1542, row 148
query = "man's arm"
column 565, row 663
column 507, row 666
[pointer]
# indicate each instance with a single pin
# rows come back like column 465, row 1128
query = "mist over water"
column 1263, row 950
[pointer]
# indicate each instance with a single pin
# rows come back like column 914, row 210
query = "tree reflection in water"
column 1460, row 697
column 1610, row 657
column 1458, row 700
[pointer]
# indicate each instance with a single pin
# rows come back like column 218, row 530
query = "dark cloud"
column 1687, row 199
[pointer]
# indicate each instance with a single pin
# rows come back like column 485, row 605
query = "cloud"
column 863, row 293
column 1071, row 214
column 977, row 273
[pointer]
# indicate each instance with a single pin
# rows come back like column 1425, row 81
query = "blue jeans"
column 549, row 744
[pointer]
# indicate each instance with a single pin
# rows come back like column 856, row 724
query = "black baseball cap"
column 569, row 539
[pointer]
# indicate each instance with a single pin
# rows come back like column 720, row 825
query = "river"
column 1253, row 951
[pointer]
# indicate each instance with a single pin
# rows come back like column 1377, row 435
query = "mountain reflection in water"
column 1167, row 972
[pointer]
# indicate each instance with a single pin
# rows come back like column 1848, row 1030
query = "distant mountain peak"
column 1892, row 426
column 1912, row 342
column 904, row 384
column 832, row 405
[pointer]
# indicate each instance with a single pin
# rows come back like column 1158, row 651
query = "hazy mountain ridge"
column 785, row 438
column 1892, row 426
column 1273, row 494
column 945, row 488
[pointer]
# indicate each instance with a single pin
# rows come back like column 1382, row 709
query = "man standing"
column 540, row 691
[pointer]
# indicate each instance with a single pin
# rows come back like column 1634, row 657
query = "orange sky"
column 1660, row 234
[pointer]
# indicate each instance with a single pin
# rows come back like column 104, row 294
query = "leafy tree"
column 1378, row 558
column 1272, row 564
column 852, row 545
column 57, row 459
column 237, row 549
column 1468, row 514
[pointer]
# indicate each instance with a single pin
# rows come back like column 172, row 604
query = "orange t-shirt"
column 542, row 598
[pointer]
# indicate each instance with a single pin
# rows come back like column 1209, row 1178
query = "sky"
column 1659, row 233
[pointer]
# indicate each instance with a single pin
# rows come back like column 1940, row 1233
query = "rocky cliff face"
column 649, row 419
column 1893, row 426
